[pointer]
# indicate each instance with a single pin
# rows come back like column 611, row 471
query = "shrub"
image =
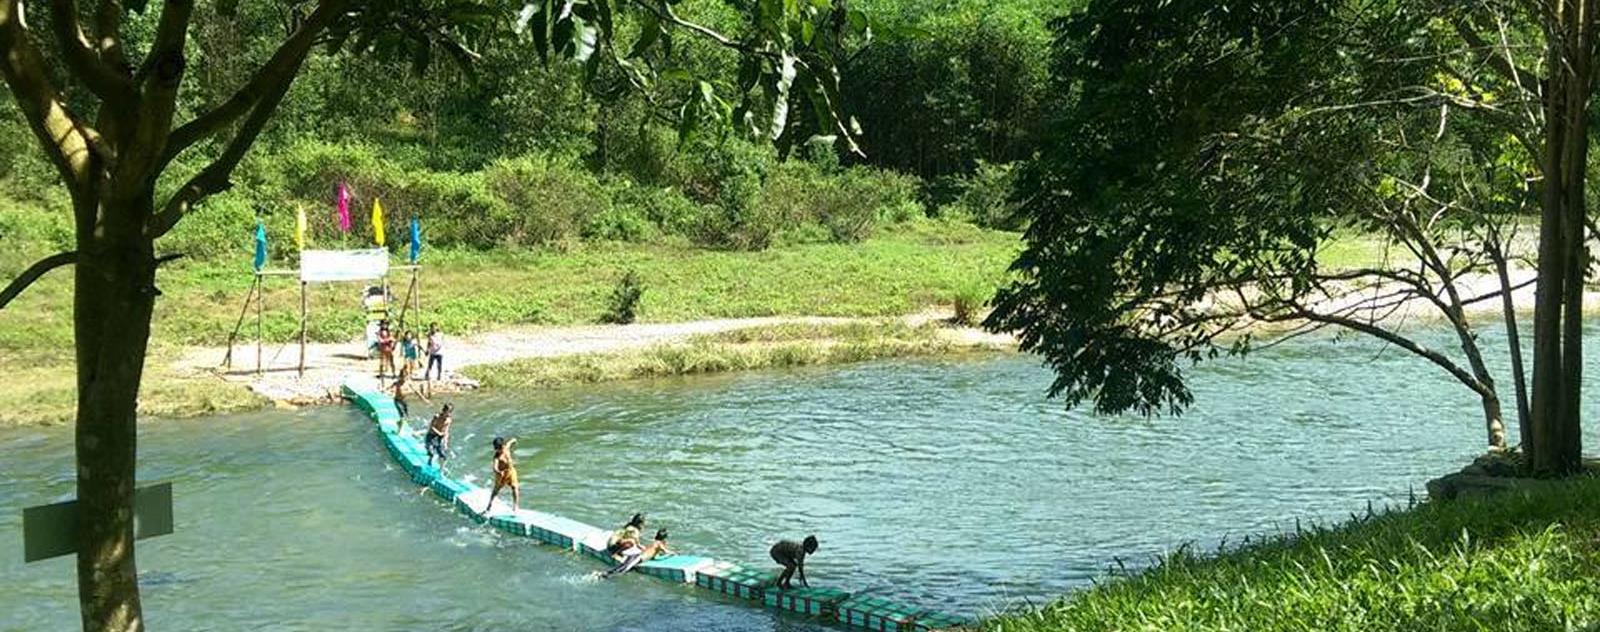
column 985, row 197
column 623, row 307
column 545, row 199
column 969, row 300
column 849, row 203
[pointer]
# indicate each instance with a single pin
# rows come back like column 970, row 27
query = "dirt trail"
column 329, row 364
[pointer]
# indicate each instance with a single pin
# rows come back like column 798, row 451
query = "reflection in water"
column 951, row 484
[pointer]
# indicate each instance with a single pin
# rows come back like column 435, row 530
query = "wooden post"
column 303, row 329
column 260, row 298
column 416, row 280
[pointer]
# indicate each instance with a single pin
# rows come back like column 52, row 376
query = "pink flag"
column 344, row 208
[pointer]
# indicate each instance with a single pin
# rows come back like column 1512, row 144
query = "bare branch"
column 101, row 78
column 66, row 139
column 32, row 274
column 278, row 71
column 1500, row 63
column 215, row 177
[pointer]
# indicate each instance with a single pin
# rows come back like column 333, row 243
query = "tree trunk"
column 114, row 294
column 1554, row 445
column 1513, row 337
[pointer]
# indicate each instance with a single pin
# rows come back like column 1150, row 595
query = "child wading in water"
column 505, row 474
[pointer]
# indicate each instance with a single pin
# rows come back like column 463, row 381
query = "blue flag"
column 416, row 240
column 261, row 245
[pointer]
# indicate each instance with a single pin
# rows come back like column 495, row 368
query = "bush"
column 623, row 307
column 969, row 300
column 849, row 203
column 545, row 199
column 985, row 198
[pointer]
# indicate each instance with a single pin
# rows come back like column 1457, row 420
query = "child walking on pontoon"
column 400, row 396
column 505, row 474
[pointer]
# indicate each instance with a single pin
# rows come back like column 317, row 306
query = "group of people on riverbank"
column 625, row 545
column 384, row 344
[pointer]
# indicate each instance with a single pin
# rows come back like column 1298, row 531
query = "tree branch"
column 66, row 140
column 1501, row 65
column 32, row 274
column 216, row 177
column 100, row 77
column 279, row 70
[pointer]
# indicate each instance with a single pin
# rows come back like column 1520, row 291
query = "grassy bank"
column 1519, row 561
column 745, row 349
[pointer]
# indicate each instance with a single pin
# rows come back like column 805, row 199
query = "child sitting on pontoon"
column 631, row 560
column 626, row 538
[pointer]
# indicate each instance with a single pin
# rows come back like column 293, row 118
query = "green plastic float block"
column 675, row 568
column 817, row 602
column 736, row 581
column 930, row 621
column 448, row 488
column 510, row 523
column 872, row 613
column 425, row 475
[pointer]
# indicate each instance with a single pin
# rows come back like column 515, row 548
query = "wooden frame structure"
column 257, row 297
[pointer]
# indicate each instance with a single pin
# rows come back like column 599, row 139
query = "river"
column 950, row 483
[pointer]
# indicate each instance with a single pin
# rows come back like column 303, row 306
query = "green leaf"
column 649, row 32
column 584, row 38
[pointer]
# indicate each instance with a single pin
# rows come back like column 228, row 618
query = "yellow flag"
column 300, row 227
column 377, row 222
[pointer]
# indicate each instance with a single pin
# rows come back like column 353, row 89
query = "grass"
column 746, row 349
column 1517, row 561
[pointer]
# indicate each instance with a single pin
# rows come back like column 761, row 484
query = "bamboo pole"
column 303, row 311
column 227, row 360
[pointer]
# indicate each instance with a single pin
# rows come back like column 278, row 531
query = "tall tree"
column 111, row 130
column 1206, row 153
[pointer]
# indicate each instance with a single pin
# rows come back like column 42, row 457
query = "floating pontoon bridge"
column 753, row 583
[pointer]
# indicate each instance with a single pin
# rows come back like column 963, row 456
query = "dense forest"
column 511, row 150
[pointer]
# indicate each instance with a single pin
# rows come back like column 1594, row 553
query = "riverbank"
column 1515, row 561
column 187, row 382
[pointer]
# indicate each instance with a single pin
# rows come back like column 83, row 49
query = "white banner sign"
column 321, row 266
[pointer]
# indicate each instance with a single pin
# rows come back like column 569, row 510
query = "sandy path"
column 329, row 364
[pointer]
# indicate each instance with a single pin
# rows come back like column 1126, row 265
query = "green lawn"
column 1520, row 561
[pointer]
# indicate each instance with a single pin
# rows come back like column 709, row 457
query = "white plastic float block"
column 561, row 531
column 676, row 568
column 471, row 504
column 594, row 545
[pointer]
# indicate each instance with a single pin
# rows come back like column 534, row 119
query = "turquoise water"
column 949, row 484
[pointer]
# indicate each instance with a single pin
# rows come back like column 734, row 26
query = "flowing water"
column 951, row 484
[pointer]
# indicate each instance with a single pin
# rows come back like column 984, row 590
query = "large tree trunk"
column 1554, row 445
column 115, row 292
